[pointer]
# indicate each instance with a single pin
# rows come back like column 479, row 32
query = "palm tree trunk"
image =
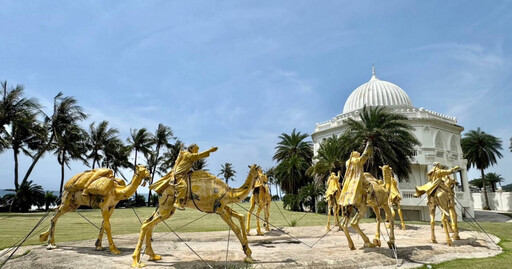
column 61, row 175
column 153, row 173
column 487, row 207
column 36, row 159
column 16, row 176
column 135, row 168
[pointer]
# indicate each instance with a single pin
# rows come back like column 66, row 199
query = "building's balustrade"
column 420, row 113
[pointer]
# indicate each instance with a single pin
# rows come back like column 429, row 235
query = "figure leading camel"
column 332, row 194
column 203, row 192
column 262, row 198
column 360, row 190
column 102, row 190
column 440, row 194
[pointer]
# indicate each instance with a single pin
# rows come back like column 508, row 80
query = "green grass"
column 503, row 260
column 72, row 227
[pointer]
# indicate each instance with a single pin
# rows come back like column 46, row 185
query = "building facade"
column 438, row 134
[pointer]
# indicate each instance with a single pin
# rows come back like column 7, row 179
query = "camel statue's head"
column 142, row 171
column 386, row 170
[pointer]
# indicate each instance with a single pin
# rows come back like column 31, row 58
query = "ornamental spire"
column 374, row 77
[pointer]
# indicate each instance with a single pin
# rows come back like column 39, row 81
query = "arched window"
column 439, row 141
column 453, row 144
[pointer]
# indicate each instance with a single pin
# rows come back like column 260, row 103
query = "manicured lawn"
column 72, row 227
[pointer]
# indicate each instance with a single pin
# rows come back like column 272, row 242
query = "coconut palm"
column 294, row 156
column 200, row 164
column 49, row 200
column 161, row 140
column 66, row 112
column 272, row 179
column 27, row 195
column 481, row 150
column 141, row 141
column 19, row 127
column 227, row 172
column 116, row 155
column 170, row 157
column 493, row 179
column 331, row 157
column 71, row 144
column 99, row 137
column 393, row 142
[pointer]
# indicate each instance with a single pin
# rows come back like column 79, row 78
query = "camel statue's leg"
column 455, row 228
column 64, row 207
column 105, row 212
column 376, row 240
column 393, row 213
column 329, row 208
column 164, row 210
column 432, row 209
column 266, row 211
column 251, row 209
column 399, row 209
column 344, row 225
column 98, row 243
column 336, row 209
column 445, row 227
column 258, row 229
column 355, row 224
column 225, row 213
column 391, row 242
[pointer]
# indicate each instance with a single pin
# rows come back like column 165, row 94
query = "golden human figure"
column 395, row 199
column 359, row 190
column 332, row 194
column 261, row 197
column 208, row 194
column 440, row 194
column 181, row 168
column 103, row 192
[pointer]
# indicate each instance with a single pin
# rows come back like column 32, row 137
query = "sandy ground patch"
column 274, row 250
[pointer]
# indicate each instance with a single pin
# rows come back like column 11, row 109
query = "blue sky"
column 237, row 74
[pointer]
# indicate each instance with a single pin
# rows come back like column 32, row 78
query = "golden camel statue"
column 440, row 194
column 332, row 194
column 395, row 199
column 359, row 190
column 261, row 197
column 206, row 193
column 103, row 191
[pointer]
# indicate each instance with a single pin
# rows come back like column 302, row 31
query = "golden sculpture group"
column 203, row 191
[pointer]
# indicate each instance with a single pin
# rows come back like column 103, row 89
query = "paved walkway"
column 491, row 216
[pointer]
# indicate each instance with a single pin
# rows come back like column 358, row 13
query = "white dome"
column 376, row 92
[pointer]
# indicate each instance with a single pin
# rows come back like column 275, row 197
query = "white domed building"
column 438, row 134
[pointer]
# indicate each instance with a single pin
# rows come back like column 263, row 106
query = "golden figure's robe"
column 333, row 185
column 181, row 167
column 435, row 177
column 352, row 192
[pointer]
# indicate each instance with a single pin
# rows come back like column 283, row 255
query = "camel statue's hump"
column 206, row 177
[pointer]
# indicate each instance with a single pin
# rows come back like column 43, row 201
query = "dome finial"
column 374, row 77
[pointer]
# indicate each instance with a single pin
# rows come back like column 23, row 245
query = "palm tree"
column 331, row 157
column 28, row 194
column 140, row 140
column 477, row 182
column 481, row 150
column 66, row 112
column 272, row 179
column 294, row 156
column 116, row 155
column 170, row 157
column 25, row 132
column 309, row 193
column 161, row 140
column 200, row 164
column 227, row 172
column 70, row 145
column 50, row 199
column 99, row 137
column 492, row 179
column 393, row 142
